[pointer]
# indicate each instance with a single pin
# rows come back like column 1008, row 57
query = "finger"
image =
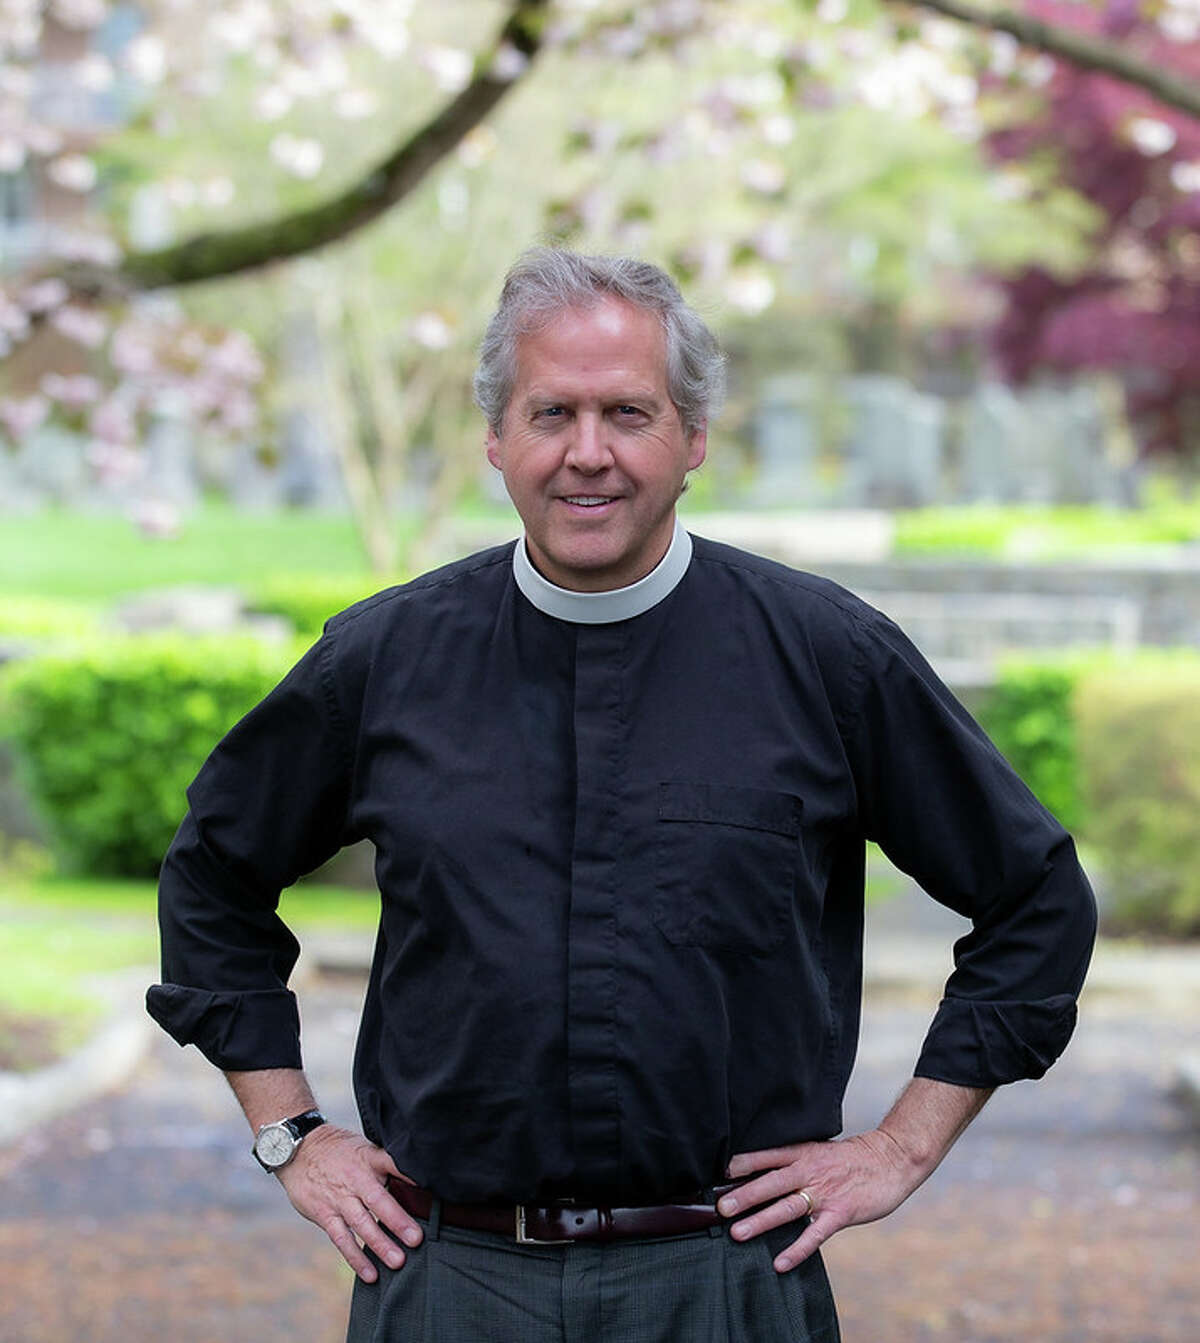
column 774, row 1184
column 371, row 1234
column 341, row 1235
column 746, row 1163
column 810, row 1240
column 791, row 1208
column 393, row 1215
column 380, row 1160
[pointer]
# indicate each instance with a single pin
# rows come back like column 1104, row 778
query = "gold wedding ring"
column 808, row 1202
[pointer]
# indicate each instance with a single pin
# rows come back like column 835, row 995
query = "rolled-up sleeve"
column 948, row 809
column 269, row 805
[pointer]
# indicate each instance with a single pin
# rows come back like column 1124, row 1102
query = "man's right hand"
column 338, row 1180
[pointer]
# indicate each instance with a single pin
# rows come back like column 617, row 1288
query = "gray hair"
column 547, row 281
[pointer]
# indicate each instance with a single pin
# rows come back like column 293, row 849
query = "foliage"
column 1135, row 307
column 109, row 736
column 834, row 151
column 38, row 617
column 1028, row 532
column 309, row 600
column 1108, row 743
column 1139, row 751
column 1028, row 714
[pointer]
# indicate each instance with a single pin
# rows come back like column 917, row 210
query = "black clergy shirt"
column 621, row 869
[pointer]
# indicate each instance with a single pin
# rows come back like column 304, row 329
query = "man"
column 619, row 783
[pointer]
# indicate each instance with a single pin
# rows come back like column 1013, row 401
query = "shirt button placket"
column 600, row 752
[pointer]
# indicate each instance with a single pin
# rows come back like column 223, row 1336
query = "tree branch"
column 1082, row 49
column 208, row 256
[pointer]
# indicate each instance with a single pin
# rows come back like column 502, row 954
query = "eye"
column 627, row 412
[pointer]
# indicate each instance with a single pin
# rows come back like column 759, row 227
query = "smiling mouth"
column 588, row 500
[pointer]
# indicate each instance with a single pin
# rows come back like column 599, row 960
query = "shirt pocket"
column 725, row 865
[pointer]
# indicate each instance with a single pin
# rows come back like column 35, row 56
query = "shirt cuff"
column 982, row 1044
column 239, row 1032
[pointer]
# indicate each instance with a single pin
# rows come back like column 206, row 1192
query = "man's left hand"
column 849, row 1181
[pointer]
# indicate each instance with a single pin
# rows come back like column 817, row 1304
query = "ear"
column 697, row 448
column 492, row 449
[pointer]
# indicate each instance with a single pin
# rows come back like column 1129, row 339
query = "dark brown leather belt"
column 563, row 1221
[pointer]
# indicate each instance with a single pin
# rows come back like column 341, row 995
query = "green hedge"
column 1111, row 744
column 1139, row 755
column 309, row 601
column 47, row 617
column 109, row 735
column 1028, row 715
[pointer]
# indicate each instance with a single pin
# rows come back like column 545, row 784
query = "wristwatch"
column 276, row 1144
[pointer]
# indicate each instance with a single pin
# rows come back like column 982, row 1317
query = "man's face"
column 592, row 448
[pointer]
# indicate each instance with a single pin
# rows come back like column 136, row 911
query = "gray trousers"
column 476, row 1287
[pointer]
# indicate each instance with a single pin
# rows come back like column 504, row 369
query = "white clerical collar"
column 601, row 608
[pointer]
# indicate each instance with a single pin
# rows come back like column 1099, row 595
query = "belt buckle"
column 523, row 1239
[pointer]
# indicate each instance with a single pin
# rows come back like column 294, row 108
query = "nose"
column 589, row 450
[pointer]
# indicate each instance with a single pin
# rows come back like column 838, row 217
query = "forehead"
column 609, row 341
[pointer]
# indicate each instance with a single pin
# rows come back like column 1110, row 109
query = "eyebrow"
column 631, row 396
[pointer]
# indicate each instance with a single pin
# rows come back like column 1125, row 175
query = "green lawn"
column 57, row 935
column 58, row 554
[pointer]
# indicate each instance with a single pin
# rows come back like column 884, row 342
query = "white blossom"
column 778, row 129
column 146, row 58
column 81, row 245
column 431, row 330
column 81, row 325
column 299, row 156
column 14, row 320
column 235, row 357
column 449, row 66
column 12, row 155
column 45, row 295
column 43, row 140
column 355, row 104
column 1179, row 20
column 509, row 63
column 750, row 291
column 80, row 14
column 21, row 416
column 1186, row 176
column 72, row 172
column 1003, row 50
column 94, row 72
column 218, row 192
column 272, row 103
column 1151, row 137
column 131, row 350
column 763, row 175
column 180, row 193
column 112, row 422
column 73, row 390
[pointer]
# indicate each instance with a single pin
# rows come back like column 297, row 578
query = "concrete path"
column 1069, row 1212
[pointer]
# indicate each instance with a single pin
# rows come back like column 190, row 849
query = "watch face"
column 275, row 1145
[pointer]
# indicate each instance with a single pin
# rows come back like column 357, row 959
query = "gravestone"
column 895, row 447
column 311, row 475
column 994, row 440
column 787, row 445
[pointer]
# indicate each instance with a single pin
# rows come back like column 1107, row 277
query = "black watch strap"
column 305, row 1123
